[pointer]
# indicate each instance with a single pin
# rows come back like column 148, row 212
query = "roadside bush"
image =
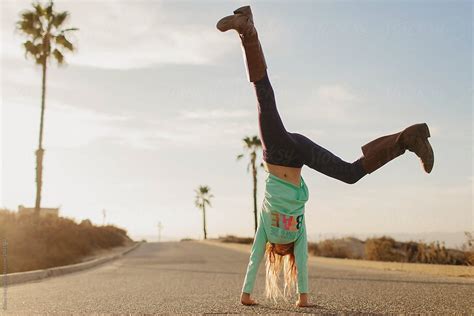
column 468, row 248
column 187, row 239
column 53, row 241
column 382, row 249
column 331, row 248
column 385, row 249
column 237, row 240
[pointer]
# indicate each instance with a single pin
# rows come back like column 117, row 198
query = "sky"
column 155, row 102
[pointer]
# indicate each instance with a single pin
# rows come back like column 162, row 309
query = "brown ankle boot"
column 384, row 149
column 242, row 22
column 415, row 139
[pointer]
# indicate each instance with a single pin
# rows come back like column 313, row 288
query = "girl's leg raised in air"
column 294, row 150
column 324, row 161
column 278, row 145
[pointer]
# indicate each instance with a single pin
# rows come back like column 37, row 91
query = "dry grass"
column 468, row 248
column 53, row 241
column 338, row 248
column 236, row 240
column 387, row 249
column 187, row 239
column 384, row 249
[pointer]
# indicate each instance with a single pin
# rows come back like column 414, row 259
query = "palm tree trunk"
column 204, row 220
column 40, row 151
column 254, row 171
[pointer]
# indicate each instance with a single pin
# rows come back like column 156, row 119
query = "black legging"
column 295, row 150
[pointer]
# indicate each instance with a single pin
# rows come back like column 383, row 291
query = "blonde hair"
column 280, row 257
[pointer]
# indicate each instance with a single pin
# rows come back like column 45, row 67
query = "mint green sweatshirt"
column 281, row 221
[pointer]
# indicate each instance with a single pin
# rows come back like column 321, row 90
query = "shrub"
column 331, row 248
column 468, row 248
column 52, row 241
column 381, row 249
column 238, row 240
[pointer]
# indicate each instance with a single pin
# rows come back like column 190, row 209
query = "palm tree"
column 251, row 146
column 203, row 198
column 46, row 39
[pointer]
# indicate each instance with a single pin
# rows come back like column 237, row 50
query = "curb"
column 22, row 277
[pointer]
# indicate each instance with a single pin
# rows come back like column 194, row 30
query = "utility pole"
column 160, row 227
column 5, row 271
column 104, row 215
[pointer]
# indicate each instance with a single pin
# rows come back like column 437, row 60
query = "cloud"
column 126, row 35
column 332, row 102
column 334, row 93
column 215, row 114
column 65, row 126
column 69, row 127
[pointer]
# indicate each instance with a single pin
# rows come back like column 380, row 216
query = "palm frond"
column 69, row 30
column 252, row 142
column 61, row 40
column 39, row 10
column 30, row 24
column 35, row 51
column 59, row 18
column 31, row 48
column 247, row 142
column 48, row 11
column 58, row 56
column 30, row 17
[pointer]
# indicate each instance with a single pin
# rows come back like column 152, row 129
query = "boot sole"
column 245, row 10
column 421, row 130
column 430, row 161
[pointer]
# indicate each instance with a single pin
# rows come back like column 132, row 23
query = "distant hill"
column 154, row 238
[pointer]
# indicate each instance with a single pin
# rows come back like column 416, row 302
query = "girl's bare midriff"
column 292, row 175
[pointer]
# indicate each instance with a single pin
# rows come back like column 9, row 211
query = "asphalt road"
column 185, row 277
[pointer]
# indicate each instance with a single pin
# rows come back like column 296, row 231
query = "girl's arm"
column 301, row 258
column 257, row 253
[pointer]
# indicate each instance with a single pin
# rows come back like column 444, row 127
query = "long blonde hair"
column 280, row 257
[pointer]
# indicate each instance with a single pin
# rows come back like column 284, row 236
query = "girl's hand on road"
column 247, row 300
column 303, row 301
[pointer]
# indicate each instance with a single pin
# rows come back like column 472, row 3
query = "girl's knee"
column 356, row 173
